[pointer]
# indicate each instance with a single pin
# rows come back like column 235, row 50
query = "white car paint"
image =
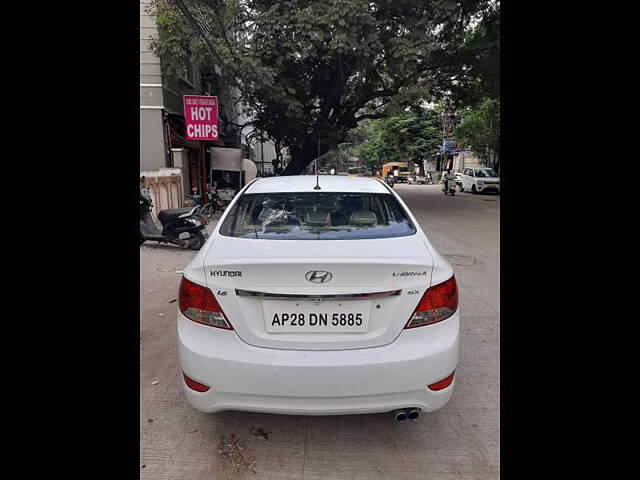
column 378, row 369
column 469, row 178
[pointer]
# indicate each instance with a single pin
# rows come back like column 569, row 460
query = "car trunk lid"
column 263, row 293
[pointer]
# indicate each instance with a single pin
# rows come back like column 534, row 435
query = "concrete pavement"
column 460, row 441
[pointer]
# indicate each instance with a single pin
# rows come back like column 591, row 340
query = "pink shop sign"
column 200, row 117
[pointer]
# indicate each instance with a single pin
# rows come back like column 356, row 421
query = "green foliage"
column 477, row 90
column 338, row 156
column 315, row 69
column 406, row 137
column 480, row 78
column 479, row 129
column 176, row 42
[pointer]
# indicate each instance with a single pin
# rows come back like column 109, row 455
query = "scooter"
column 449, row 187
column 390, row 180
column 181, row 226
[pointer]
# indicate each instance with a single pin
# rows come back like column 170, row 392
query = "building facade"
column 162, row 142
column 152, row 130
column 465, row 159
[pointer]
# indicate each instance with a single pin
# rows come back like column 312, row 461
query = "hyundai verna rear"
column 318, row 301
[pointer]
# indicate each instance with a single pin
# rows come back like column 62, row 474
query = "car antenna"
column 317, row 187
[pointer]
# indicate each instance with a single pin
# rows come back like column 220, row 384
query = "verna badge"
column 318, row 276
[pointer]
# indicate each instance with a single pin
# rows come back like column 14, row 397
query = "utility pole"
column 203, row 173
column 261, row 153
column 447, row 132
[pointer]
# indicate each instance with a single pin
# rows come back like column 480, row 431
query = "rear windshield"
column 317, row 216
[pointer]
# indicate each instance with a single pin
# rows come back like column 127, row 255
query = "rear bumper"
column 369, row 380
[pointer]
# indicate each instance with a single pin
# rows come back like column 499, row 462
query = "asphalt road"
column 460, row 441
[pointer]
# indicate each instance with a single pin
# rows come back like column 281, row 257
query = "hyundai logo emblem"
column 318, row 276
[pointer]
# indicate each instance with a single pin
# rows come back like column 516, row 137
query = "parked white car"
column 318, row 302
column 479, row 180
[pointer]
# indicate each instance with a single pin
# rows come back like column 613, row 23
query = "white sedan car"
column 320, row 302
column 479, row 180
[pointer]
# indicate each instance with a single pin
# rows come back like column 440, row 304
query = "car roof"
column 305, row 183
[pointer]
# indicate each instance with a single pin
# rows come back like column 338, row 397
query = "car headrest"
column 318, row 218
column 363, row 217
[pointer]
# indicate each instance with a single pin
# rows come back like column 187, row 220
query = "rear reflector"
column 193, row 385
column 198, row 303
column 438, row 303
column 444, row 383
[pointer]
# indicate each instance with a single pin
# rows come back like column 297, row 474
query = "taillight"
column 197, row 303
column 441, row 384
column 438, row 303
column 194, row 385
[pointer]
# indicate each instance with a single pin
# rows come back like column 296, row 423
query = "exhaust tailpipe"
column 400, row 416
column 405, row 414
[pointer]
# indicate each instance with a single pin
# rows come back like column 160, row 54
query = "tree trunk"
column 300, row 159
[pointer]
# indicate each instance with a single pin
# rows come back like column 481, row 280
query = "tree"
column 312, row 71
column 405, row 137
column 479, row 130
column 480, row 77
column 477, row 91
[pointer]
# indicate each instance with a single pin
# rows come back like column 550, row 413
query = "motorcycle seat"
column 170, row 215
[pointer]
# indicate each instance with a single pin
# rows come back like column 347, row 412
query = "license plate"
column 308, row 316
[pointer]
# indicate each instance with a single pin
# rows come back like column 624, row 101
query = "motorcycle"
column 390, row 181
column 429, row 179
column 181, row 226
column 449, row 187
column 214, row 203
column 226, row 195
column 193, row 200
